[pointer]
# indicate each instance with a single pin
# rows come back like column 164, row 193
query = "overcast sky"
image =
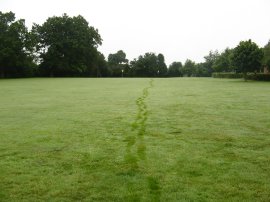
column 179, row 29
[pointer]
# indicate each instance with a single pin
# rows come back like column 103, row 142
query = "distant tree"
column 117, row 63
column 175, row 69
column 266, row 57
column 210, row 60
column 16, row 59
column 202, row 70
column 149, row 65
column 247, row 57
column 189, row 68
column 67, row 46
column 117, row 58
column 101, row 68
column 222, row 62
column 162, row 67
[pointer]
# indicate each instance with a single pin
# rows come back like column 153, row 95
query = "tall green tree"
column 202, row 70
column 210, row 60
column 222, row 63
column 67, row 46
column 117, row 58
column 175, row 69
column 101, row 67
column 161, row 65
column 118, row 64
column 15, row 47
column 149, row 65
column 266, row 57
column 247, row 57
column 189, row 68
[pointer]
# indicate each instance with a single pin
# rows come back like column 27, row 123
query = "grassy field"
column 184, row 139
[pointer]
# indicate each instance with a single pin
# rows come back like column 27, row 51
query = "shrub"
column 258, row 77
column 227, row 75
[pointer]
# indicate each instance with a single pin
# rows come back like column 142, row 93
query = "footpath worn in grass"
column 184, row 139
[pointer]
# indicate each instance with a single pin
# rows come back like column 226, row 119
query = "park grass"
column 178, row 139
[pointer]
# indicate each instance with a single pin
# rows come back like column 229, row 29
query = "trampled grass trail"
column 139, row 158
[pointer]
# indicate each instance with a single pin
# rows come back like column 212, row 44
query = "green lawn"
column 182, row 139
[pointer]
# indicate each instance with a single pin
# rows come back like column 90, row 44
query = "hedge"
column 258, row 77
column 250, row 76
column 227, row 75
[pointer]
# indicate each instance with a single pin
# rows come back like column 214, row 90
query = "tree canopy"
column 149, row 65
column 247, row 57
column 210, row 60
column 117, row 58
column 266, row 58
column 67, row 46
column 222, row 62
column 118, row 64
column 189, row 68
column 15, row 47
column 175, row 69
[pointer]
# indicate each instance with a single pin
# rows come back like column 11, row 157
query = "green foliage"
column 117, row 63
column 15, row 48
column 210, row 60
column 266, row 58
column 67, row 140
column 101, row 68
column 222, row 62
column 202, row 70
column 249, row 76
column 189, row 68
column 117, row 58
column 247, row 57
column 161, row 65
column 227, row 75
column 175, row 69
column 258, row 77
column 67, row 46
column 149, row 65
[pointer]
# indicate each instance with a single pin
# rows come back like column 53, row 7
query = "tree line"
column 65, row 46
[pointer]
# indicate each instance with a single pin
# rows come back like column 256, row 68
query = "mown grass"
column 134, row 140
